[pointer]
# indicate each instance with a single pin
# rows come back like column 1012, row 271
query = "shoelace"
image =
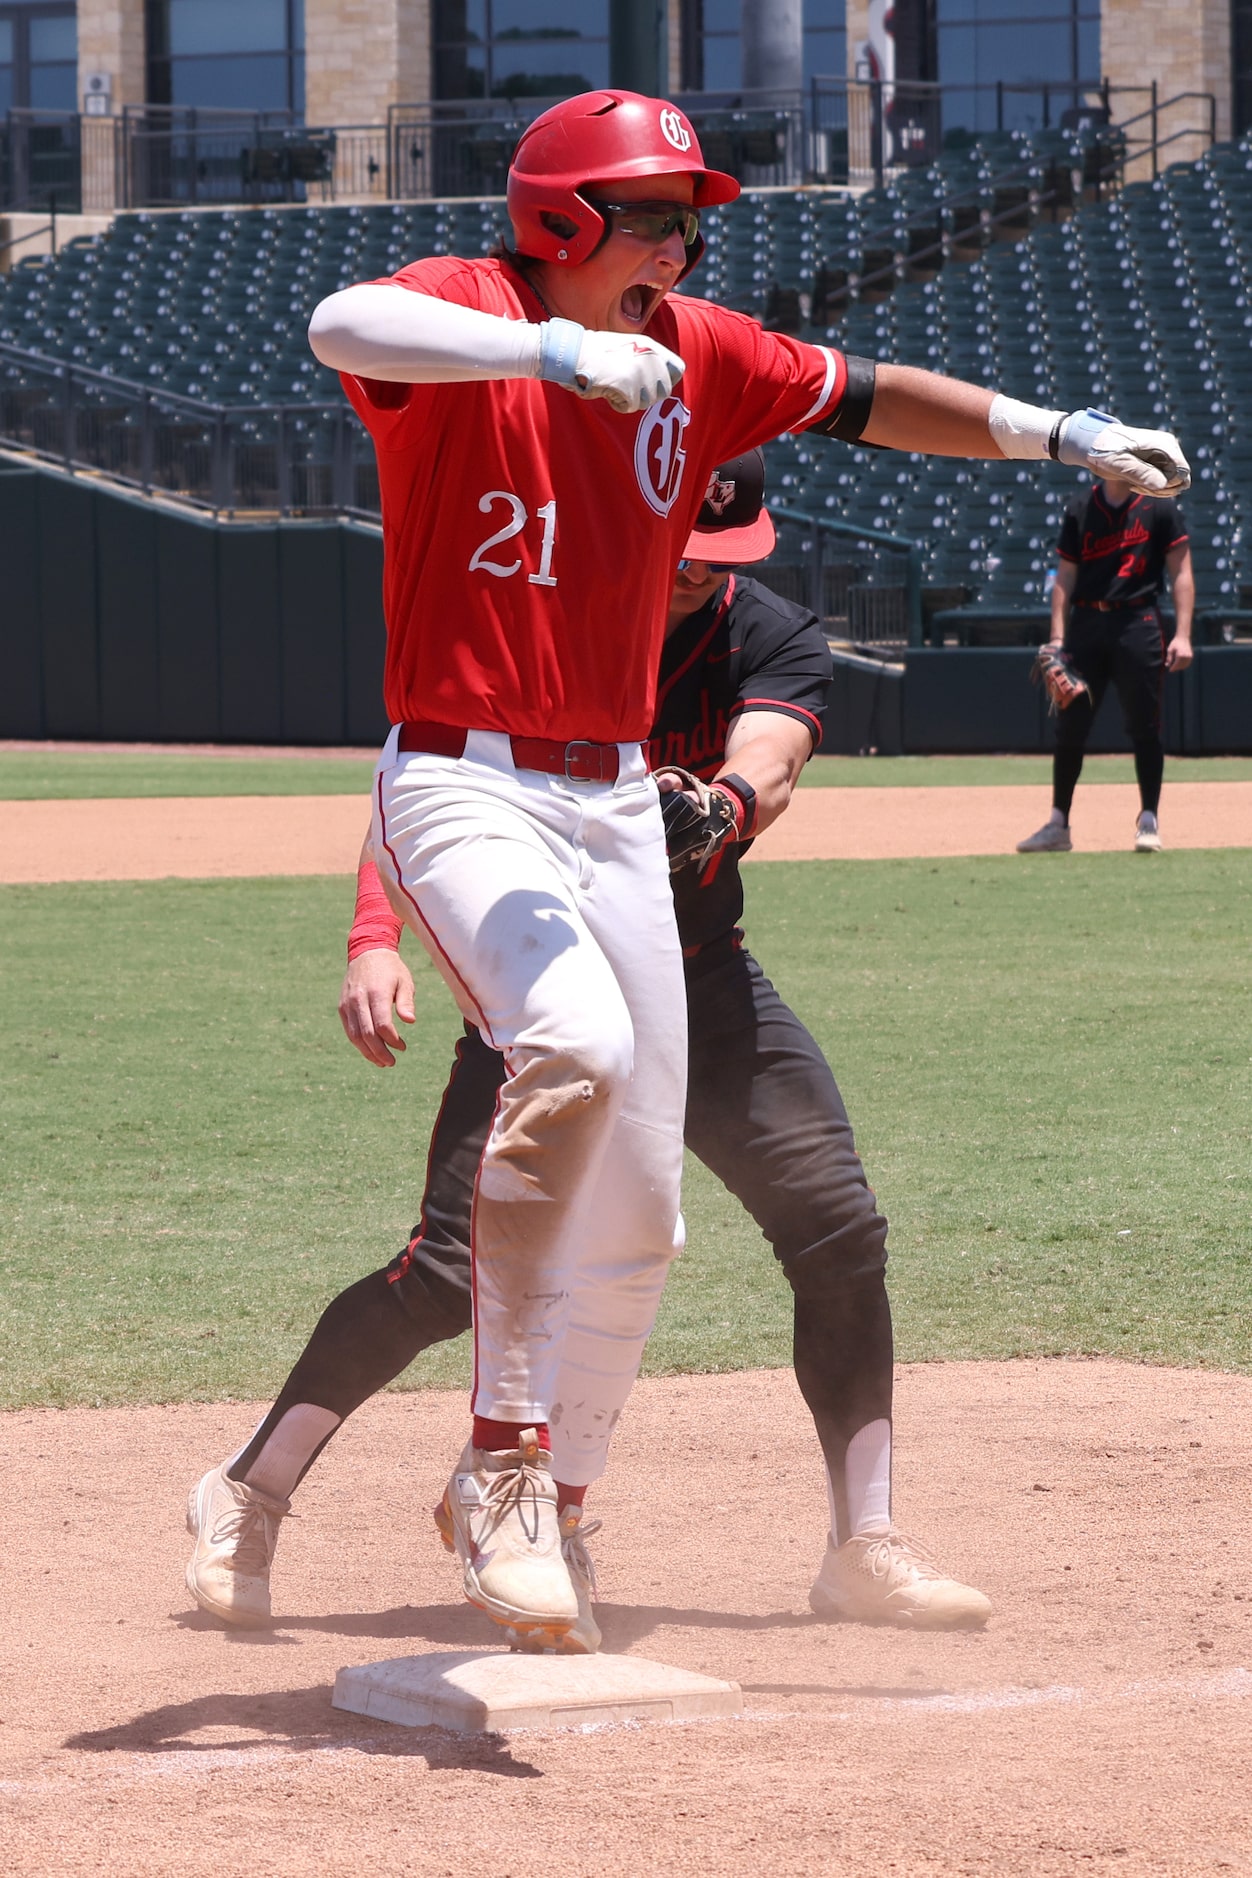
column 252, row 1532
column 894, row 1548
column 513, row 1489
column 578, row 1560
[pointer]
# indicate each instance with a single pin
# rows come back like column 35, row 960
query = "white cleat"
column 1148, row 834
column 236, row 1530
column 884, row 1578
column 583, row 1636
column 1052, row 838
column 499, row 1515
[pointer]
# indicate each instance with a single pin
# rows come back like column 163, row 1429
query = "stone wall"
column 1185, row 46
column 110, row 39
column 363, row 55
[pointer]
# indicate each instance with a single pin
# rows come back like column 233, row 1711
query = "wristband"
column 560, row 342
column 1076, row 434
column 742, row 798
column 1022, row 430
column 375, row 927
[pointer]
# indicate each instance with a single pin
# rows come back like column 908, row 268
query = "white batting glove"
column 630, row 373
column 1151, row 461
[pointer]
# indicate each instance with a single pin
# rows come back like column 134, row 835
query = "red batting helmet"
column 584, row 142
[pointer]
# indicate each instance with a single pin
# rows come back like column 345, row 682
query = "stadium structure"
column 1072, row 240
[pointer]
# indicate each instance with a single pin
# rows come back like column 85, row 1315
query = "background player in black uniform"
column 743, row 668
column 1115, row 550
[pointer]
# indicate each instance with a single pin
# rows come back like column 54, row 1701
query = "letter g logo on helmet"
column 674, row 130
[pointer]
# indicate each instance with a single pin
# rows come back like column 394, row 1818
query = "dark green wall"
column 124, row 619
column 980, row 698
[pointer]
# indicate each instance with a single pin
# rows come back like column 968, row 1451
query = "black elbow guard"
column 849, row 420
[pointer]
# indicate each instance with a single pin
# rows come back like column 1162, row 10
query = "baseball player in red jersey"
column 546, row 422
column 741, row 695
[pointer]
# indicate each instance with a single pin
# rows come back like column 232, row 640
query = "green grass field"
column 41, row 774
column 1049, row 1074
column 36, row 775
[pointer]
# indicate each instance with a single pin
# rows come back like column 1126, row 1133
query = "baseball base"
column 481, row 1692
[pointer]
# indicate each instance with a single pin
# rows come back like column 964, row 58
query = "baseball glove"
column 1053, row 671
column 699, row 821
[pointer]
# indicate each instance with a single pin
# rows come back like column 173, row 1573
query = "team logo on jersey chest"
column 659, row 455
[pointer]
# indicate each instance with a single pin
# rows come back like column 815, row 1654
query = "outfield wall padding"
column 979, row 698
column 133, row 620
column 128, row 620
column 863, row 710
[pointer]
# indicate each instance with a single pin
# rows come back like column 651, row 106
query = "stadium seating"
column 1142, row 302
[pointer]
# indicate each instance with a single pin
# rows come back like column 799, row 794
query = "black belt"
column 577, row 761
column 1114, row 606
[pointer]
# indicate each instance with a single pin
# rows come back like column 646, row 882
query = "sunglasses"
column 653, row 222
column 714, row 567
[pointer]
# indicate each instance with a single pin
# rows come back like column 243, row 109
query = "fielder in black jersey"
column 1115, row 550
column 763, row 1113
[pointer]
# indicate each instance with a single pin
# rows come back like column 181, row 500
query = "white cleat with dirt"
column 1148, row 834
column 583, row 1636
column 1052, row 838
column 499, row 1515
column 886, row 1578
column 236, row 1530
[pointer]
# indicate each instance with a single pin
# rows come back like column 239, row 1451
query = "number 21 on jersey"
column 519, row 516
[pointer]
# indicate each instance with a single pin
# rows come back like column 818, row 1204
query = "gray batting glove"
column 1151, row 461
column 630, row 373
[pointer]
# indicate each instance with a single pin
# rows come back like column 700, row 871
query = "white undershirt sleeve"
column 411, row 338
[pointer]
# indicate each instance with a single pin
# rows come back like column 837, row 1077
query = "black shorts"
column 1126, row 648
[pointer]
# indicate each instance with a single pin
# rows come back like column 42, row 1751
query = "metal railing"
column 306, row 459
column 837, row 131
column 865, row 585
column 1009, row 202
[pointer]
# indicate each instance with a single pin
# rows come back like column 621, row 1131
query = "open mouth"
column 640, row 301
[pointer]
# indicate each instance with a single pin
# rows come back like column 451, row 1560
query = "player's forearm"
column 769, row 760
column 916, row 410
column 1183, row 586
column 411, row 338
column 921, row 411
column 770, row 782
column 1060, row 614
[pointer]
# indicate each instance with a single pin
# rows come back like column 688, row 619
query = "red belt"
column 578, row 762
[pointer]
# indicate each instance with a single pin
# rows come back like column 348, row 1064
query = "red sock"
column 501, row 1435
column 569, row 1496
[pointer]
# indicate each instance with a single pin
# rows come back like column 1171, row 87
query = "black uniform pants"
column 1125, row 649
column 763, row 1113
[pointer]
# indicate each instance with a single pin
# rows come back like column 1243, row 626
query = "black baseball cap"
column 733, row 523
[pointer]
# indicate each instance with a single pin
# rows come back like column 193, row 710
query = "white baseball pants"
column 545, row 904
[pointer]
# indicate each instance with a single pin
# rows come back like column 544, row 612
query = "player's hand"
column 1151, row 461
column 1178, row 654
column 629, row 373
column 373, row 984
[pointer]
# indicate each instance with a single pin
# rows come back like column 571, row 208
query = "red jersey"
column 531, row 536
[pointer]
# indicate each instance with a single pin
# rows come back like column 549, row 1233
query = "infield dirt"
column 207, row 837
column 1102, row 1723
